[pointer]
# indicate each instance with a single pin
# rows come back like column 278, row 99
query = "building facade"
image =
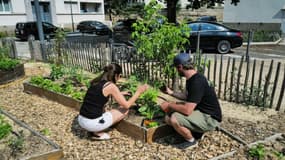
column 255, row 11
column 57, row 12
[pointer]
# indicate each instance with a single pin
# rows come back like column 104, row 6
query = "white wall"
column 22, row 11
column 256, row 11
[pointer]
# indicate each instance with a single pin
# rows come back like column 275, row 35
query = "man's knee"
column 173, row 121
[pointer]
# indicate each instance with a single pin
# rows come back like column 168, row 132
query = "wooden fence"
column 258, row 82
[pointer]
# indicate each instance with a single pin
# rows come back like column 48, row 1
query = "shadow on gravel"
column 78, row 131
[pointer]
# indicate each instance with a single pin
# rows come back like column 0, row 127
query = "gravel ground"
column 40, row 113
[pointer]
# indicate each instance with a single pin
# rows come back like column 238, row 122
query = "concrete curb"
column 264, row 43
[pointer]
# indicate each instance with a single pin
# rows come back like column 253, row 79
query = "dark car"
column 207, row 18
column 93, row 27
column 124, row 25
column 29, row 30
column 214, row 36
column 122, row 30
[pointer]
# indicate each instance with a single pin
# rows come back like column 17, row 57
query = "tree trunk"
column 171, row 10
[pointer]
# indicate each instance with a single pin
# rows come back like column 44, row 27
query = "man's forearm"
column 179, row 95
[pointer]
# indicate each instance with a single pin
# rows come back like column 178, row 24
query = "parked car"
column 122, row 30
column 93, row 27
column 214, row 36
column 124, row 25
column 29, row 30
column 207, row 18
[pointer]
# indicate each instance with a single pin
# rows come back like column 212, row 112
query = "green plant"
column 5, row 127
column 45, row 131
column 7, row 63
column 17, row 143
column 57, row 71
column 257, row 151
column 157, row 39
column 147, row 100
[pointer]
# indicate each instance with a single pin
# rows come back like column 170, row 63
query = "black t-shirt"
column 94, row 101
column 204, row 96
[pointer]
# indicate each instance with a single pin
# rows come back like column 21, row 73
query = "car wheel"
column 224, row 46
column 31, row 37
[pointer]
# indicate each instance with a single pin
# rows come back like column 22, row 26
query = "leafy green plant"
column 45, row 131
column 7, row 63
column 17, row 143
column 147, row 100
column 5, row 127
column 157, row 39
column 57, row 71
column 257, row 151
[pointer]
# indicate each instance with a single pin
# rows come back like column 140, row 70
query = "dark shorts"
column 197, row 121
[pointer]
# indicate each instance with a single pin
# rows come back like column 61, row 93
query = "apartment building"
column 57, row 12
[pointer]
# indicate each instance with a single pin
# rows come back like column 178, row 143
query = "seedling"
column 257, row 152
column 5, row 128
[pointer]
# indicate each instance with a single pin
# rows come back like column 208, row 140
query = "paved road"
column 258, row 52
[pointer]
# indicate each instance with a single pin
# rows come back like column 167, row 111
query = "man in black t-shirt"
column 200, row 112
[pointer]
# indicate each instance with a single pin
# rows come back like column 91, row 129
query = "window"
column 90, row 7
column 5, row 6
column 68, row 5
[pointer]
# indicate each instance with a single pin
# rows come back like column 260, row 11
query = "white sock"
column 191, row 140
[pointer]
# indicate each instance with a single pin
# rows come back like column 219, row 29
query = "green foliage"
column 3, row 34
column 57, row 71
column 7, row 63
column 263, row 36
column 257, row 152
column 152, row 124
column 123, row 8
column 4, row 52
column 157, row 39
column 5, row 127
column 45, row 131
column 199, row 63
column 17, row 143
column 66, row 80
column 147, row 100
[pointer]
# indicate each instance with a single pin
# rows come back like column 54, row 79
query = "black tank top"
column 94, row 101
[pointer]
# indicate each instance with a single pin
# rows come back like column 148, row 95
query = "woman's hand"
column 142, row 88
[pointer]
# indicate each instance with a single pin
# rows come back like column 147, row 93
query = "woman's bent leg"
column 119, row 114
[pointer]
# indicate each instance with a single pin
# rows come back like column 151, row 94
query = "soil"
column 247, row 122
column 31, row 145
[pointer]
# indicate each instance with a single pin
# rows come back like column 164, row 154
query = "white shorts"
column 98, row 124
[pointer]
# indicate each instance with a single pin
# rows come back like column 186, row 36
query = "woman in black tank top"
column 92, row 116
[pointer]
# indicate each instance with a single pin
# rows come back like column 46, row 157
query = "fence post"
column 281, row 94
column 248, row 45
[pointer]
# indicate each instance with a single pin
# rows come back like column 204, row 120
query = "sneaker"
column 187, row 145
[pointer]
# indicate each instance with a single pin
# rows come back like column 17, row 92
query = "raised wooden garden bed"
column 8, row 76
column 25, row 143
column 59, row 98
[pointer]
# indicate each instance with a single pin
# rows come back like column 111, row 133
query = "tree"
column 194, row 4
column 156, row 39
column 122, row 7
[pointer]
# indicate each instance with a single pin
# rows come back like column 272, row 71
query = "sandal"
column 104, row 136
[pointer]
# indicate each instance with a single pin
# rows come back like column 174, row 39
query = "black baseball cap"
column 182, row 58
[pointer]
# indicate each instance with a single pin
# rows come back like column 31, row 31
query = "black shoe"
column 187, row 145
